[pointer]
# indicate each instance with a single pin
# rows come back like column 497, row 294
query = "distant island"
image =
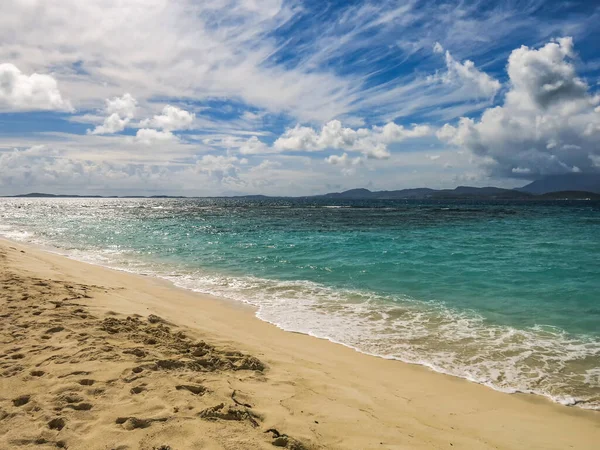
column 461, row 192
column 556, row 187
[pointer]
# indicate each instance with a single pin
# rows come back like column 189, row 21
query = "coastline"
column 324, row 394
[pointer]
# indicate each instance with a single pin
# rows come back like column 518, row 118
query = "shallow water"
column 504, row 294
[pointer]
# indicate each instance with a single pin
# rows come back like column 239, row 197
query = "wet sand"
column 92, row 358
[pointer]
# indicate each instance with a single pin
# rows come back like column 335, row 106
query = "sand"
column 92, row 358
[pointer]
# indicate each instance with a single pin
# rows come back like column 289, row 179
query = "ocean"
column 506, row 294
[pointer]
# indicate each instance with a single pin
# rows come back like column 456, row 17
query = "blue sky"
column 294, row 97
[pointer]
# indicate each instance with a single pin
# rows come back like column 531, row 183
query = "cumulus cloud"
column 171, row 119
column 223, row 168
column 249, row 146
column 120, row 111
column 159, row 128
column 150, row 136
column 112, row 124
column 347, row 163
column 549, row 122
column 254, row 146
column 370, row 142
column 32, row 166
column 343, row 160
column 15, row 158
column 42, row 167
column 47, row 169
column 20, row 92
column 266, row 165
column 466, row 76
column 545, row 77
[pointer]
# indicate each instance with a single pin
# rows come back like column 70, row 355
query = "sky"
column 277, row 97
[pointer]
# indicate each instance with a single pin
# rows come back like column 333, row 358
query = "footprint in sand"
column 140, row 353
column 138, row 389
column 230, row 413
column 81, row 406
column 54, row 329
column 71, row 398
column 132, row 423
column 77, row 372
column 57, row 423
column 285, row 441
column 198, row 390
column 21, row 400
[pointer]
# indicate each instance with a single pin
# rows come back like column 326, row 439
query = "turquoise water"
column 504, row 294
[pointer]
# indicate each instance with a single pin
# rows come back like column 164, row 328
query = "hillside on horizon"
column 569, row 186
column 589, row 182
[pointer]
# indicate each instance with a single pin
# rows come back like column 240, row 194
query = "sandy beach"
column 92, row 358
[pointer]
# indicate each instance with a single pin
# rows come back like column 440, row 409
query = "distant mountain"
column 589, row 182
column 42, row 195
column 550, row 188
column 575, row 185
column 423, row 193
column 351, row 194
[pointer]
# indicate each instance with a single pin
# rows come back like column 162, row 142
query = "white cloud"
column 48, row 169
column 347, row 163
column 391, row 132
column 466, row 76
column 164, row 49
column 171, row 119
column 343, row 160
column 251, row 116
column 223, row 168
column 118, row 165
column 227, row 49
column 266, row 165
column 253, row 146
column 45, row 169
column 159, row 128
column 123, row 106
column 20, row 92
column 544, row 77
column 547, row 124
column 458, row 89
column 370, row 142
column 120, row 111
column 249, row 146
column 150, row 136
column 112, row 124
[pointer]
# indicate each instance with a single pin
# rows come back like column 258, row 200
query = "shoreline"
column 236, row 302
column 357, row 400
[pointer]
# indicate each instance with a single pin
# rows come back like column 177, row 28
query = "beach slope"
column 92, row 358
